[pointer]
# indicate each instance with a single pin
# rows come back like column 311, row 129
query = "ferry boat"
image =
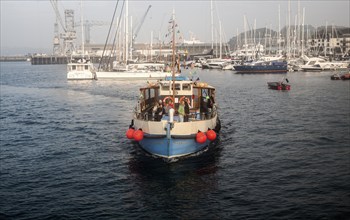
column 162, row 133
column 175, row 117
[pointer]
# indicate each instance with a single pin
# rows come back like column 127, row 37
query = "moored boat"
column 80, row 69
column 345, row 76
column 262, row 67
column 335, row 76
column 150, row 71
column 319, row 64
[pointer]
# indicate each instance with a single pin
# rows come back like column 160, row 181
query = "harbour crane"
column 69, row 34
column 87, row 27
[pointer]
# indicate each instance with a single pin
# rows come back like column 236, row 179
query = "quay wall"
column 13, row 58
column 45, row 60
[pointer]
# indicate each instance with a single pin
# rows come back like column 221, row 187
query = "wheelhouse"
column 198, row 94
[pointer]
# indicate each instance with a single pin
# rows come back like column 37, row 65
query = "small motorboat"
column 280, row 85
column 345, row 76
column 336, row 76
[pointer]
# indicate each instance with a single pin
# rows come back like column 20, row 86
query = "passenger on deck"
column 159, row 111
column 169, row 105
column 204, row 108
column 181, row 110
column 211, row 102
column 187, row 109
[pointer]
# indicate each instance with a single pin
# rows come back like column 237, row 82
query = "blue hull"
column 173, row 147
column 262, row 68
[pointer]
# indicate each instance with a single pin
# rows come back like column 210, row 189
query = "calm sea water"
column 281, row 154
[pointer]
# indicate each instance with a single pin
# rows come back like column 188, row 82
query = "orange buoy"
column 201, row 137
column 130, row 133
column 211, row 134
column 138, row 135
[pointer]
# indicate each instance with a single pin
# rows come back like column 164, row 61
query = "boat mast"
column 325, row 42
column 288, row 32
column 82, row 28
column 131, row 42
column 279, row 30
column 302, row 34
column 173, row 60
column 220, row 40
column 126, row 32
column 245, row 38
column 212, row 24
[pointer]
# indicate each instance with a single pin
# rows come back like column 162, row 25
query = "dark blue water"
column 281, row 154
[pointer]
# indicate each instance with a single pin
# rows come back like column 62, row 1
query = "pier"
column 14, row 58
column 45, row 60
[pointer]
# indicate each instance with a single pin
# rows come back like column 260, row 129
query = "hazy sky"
column 28, row 26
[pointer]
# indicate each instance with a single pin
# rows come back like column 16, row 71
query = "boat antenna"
column 174, row 58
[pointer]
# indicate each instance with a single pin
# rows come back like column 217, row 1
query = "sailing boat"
column 175, row 117
column 124, row 70
column 80, row 66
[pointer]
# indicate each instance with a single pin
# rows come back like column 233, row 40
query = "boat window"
column 152, row 93
column 205, row 92
column 165, row 86
column 86, row 67
column 195, row 98
column 186, row 86
column 74, row 67
column 146, row 94
column 177, row 86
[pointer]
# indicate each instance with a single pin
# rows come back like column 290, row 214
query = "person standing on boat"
column 169, row 106
column 158, row 111
column 211, row 103
column 187, row 110
column 204, row 108
column 181, row 111
column 155, row 107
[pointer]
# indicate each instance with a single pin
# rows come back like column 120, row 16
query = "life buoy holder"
column 166, row 98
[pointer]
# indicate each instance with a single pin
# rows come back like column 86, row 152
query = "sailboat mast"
column 279, row 30
column 82, row 29
column 212, row 24
column 302, row 34
column 220, row 40
column 173, row 63
column 126, row 32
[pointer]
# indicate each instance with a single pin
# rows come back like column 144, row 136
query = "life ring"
column 166, row 98
column 182, row 98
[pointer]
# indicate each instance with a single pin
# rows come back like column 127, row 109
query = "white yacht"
column 319, row 64
column 80, row 69
column 136, row 71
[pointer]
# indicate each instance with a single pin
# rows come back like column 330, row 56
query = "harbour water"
column 281, row 154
